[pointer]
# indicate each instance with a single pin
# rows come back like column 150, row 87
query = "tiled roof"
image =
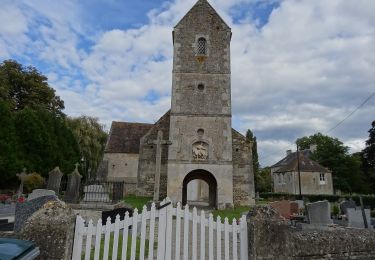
column 125, row 137
column 290, row 157
column 305, row 164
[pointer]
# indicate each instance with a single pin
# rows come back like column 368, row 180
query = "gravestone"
column 40, row 193
column 7, row 209
column 347, row 204
column 102, row 172
column 96, row 193
column 355, row 217
column 26, row 210
column 54, row 180
column 319, row 213
column 113, row 213
column 74, row 183
column 285, row 208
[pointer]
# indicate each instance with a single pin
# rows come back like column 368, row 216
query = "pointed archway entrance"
column 206, row 177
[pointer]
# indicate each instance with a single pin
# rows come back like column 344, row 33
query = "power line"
column 337, row 125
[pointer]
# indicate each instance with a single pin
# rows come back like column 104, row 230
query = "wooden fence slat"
column 168, row 232
column 134, row 234
column 143, row 233
column 194, row 244
column 218, row 238
column 78, row 237
column 234, row 239
column 115, row 237
column 186, row 232
column 152, row 233
column 203, row 237
column 125, row 236
column 161, row 232
column 106, row 238
column 98, row 238
column 90, row 231
column 178, row 231
column 210, row 237
column 226, row 239
column 243, row 239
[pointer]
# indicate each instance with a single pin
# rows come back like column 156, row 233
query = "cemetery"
column 188, row 185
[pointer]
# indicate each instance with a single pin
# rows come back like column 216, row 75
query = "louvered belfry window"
column 202, row 46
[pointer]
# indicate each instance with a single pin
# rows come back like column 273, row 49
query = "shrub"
column 335, row 210
column 33, row 181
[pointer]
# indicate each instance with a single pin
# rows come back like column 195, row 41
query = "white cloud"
column 301, row 72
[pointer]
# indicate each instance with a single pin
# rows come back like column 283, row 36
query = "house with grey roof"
column 315, row 178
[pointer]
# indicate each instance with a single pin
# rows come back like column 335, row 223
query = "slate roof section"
column 290, row 157
column 125, row 137
column 305, row 164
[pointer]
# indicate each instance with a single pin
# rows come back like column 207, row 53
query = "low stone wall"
column 52, row 230
column 271, row 237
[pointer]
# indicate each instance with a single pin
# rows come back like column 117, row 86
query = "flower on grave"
column 4, row 198
column 21, row 199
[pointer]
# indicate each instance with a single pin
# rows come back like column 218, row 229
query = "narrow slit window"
column 202, row 46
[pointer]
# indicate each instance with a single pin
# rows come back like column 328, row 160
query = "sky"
column 298, row 66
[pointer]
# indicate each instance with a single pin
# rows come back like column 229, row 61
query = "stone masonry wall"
column 147, row 160
column 271, row 237
column 243, row 171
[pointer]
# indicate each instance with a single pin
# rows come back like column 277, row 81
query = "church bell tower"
column 200, row 119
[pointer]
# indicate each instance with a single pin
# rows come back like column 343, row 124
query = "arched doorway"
column 206, row 177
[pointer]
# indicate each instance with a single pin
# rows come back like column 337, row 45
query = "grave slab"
column 355, row 218
column 40, row 193
column 319, row 213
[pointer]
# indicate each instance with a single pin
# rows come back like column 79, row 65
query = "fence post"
column 244, row 239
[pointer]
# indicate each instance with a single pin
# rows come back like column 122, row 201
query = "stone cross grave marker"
column 54, row 180
column 22, row 177
column 74, row 182
column 158, row 142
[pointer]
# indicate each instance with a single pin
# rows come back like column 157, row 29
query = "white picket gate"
column 173, row 241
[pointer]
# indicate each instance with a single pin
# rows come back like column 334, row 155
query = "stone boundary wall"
column 271, row 237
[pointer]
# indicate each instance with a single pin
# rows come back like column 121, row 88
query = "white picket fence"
column 173, row 242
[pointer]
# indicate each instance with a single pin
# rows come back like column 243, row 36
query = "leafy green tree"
column 26, row 87
column 257, row 177
column 91, row 139
column 332, row 153
column 368, row 158
column 263, row 180
column 9, row 162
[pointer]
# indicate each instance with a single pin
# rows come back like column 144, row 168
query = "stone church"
column 193, row 146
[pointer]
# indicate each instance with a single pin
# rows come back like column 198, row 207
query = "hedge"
column 368, row 200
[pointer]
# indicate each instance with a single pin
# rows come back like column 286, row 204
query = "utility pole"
column 299, row 173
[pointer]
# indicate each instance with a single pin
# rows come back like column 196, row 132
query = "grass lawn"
column 119, row 250
column 236, row 212
column 136, row 202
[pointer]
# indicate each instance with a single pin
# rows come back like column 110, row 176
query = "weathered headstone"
column 319, row 213
column 285, row 208
column 96, row 193
column 102, row 172
column 347, row 204
column 355, row 217
column 40, row 193
column 74, row 183
column 54, row 180
column 27, row 209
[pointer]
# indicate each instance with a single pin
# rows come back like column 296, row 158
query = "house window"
column 202, row 46
column 322, row 178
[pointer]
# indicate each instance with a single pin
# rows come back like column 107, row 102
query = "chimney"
column 313, row 148
column 288, row 152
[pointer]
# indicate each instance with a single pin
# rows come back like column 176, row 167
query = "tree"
column 91, row 139
column 368, row 158
column 264, row 181
column 24, row 87
column 9, row 162
column 332, row 153
column 257, row 177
